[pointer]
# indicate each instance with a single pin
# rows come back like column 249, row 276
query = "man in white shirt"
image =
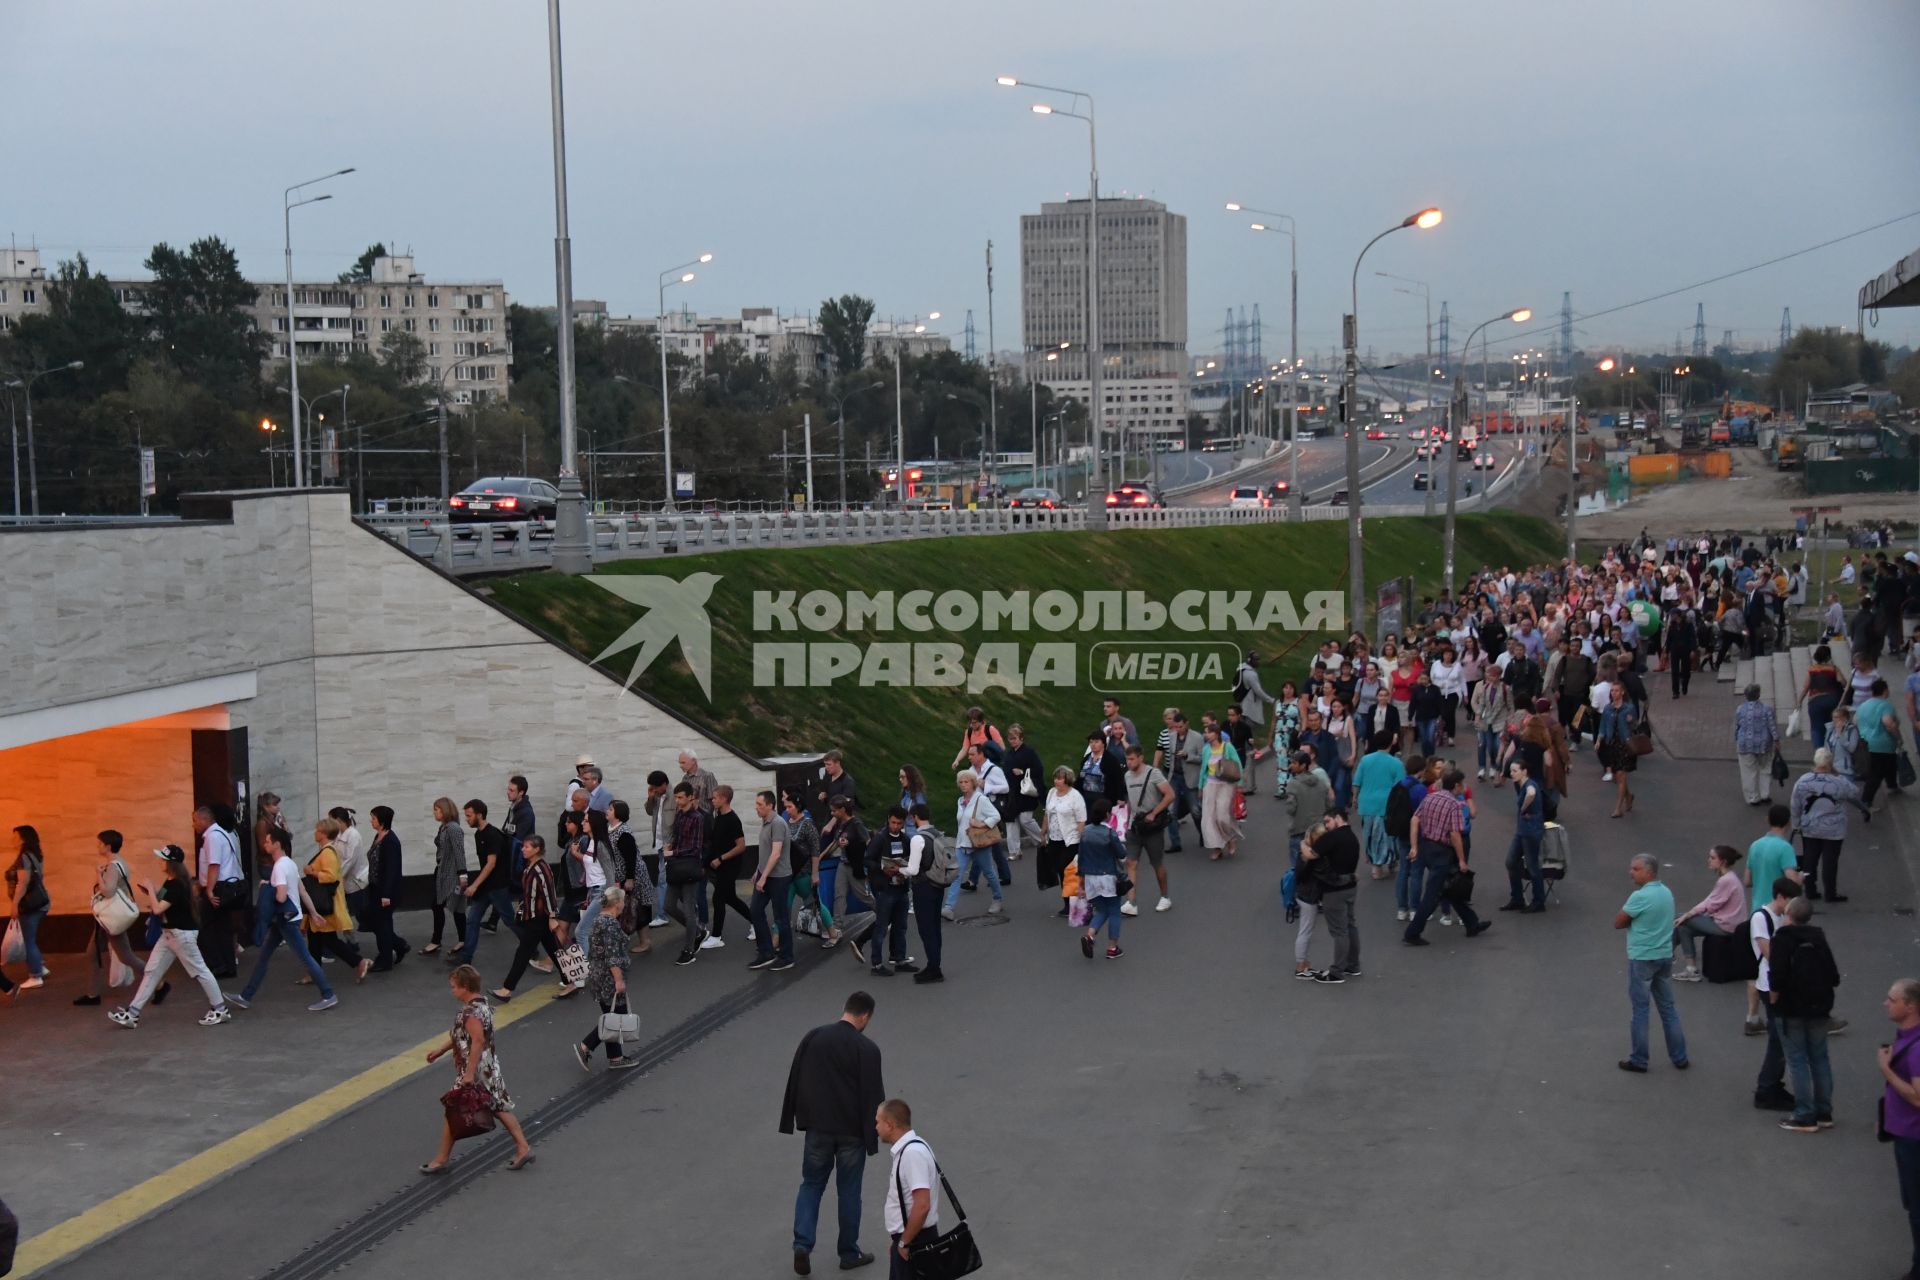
column 912, row 1205
column 289, row 907
column 223, row 882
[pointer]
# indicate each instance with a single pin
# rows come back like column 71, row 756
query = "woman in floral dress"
column 474, row 1027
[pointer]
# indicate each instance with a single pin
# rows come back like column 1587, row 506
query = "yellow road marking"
column 84, row 1230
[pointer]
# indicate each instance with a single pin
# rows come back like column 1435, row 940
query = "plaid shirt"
column 1755, row 731
column 1440, row 815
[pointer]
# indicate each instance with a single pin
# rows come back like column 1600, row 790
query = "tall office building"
column 1143, row 308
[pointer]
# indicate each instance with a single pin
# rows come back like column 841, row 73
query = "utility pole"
column 993, row 378
column 571, row 552
column 807, row 421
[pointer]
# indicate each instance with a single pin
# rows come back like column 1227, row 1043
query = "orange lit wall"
column 136, row 779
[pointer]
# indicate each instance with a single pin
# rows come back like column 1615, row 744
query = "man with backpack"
column 888, row 858
column 931, row 866
column 1804, row 979
column 1402, row 801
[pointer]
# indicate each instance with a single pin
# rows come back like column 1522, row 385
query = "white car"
column 1246, row 495
column 1483, row 462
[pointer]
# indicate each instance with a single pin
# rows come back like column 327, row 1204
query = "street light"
column 1096, row 508
column 666, row 404
column 1426, row 294
column 1294, row 500
column 899, row 407
column 571, row 550
column 340, row 391
column 1518, row 316
column 25, row 387
column 288, row 205
column 267, row 426
column 1356, row 553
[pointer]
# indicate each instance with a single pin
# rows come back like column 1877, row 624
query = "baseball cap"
column 170, row 853
column 583, row 762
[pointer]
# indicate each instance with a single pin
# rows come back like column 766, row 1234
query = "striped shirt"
column 536, row 890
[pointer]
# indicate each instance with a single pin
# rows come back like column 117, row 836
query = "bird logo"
column 675, row 610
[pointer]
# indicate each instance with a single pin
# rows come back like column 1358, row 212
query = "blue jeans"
column 1805, row 1042
column 1341, row 776
column 1106, row 911
column 287, row 931
column 1428, row 732
column 1906, row 1162
column 890, row 922
column 1001, row 864
column 1653, row 980
column 1489, row 750
column 1409, row 880
column 30, row 935
column 1523, row 855
column 974, row 863
column 846, row 1160
column 829, row 881
column 778, row 896
column 497, row 899
column 1437, row 866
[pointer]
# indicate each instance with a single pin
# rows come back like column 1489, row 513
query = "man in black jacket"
column 1802, row 976
column 833, row 1091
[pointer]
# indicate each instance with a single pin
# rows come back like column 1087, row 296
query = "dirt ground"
column 1754, row 497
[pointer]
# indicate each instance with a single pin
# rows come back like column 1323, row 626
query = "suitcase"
column 1729, row 958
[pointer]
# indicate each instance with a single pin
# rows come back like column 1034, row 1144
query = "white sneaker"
column 1446, row 919
column 1689, row 975
column 1128, row 909
column 1165, row 904
column 1607, row 776
column 32, row 982
column 711, row 943
column 658, row 922
column 750, row 937
column 1403, row 915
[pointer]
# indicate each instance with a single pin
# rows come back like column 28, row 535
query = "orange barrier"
column 1714, row 464
column 1653, row 468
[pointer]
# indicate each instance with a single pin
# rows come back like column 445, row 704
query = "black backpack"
column 1400, row 811
column 1811, row 979
column 1240, row 687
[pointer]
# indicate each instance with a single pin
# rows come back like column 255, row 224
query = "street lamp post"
column 1096, row 483
column 1356, row 554
column 840, row 413
column 1294, row 500
column 25, row 387
column 1426, row 294
column 682, row 275
column 287, row 205
column 571, row 552
column 340, row 391
column 1519, row 315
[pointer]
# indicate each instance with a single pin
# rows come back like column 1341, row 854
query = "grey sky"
column 817, row 149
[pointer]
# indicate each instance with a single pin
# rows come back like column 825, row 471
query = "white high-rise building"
column 1143, row 308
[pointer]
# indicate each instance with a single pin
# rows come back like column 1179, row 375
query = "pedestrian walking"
column 1379, row 773
column 1220, row 765
column 1647, row 916
column 1438, row 841
column 177, row 905
column 223, row 881
column 834, row 1092
column 351, row 848
column 1819, row 804
column 1100, row 857
column 929, row 854
column 1066, row 810
column 449, row 875
column 476, row 1066
column 976, row 829
column 1150, row 808
column 108, row 951
column 1718, row 915
column 1880, row 731
column 607, row 961
column 912, row 1204
column 1805, row 977
column 727, row 865
column 1900, row 1101
column 1756, row 736
column 329, row 926
column 772, row 879
column 538, row 910
column 1026, row 785
column 843, row 866
column 1620, row 723
column 683, row 863
column 486, row 889
column 287, row 907
column 1820, row 693
column 383, row 890
column 1307, row 797
column 888, row 857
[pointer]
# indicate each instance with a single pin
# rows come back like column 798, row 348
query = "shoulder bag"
column 468, row 1107
column 1229, row 767
column 33, row 894
column 981, row 835
column 1144, row 819
column 323, row 895
column 950, row 1254
column 620, row 1026
column 116, row 913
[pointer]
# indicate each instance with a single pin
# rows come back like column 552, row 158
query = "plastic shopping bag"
column 14, row 949
column 120, row 973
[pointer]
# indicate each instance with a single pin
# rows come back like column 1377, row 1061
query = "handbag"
column 1229, row 769
column 1027, row 788
column 684, row 871
column 469, row 1111
column 116, row 913
column 1147, row 822
column 621, row 1025
column 573, row 963
column 981, row 835
column 1640, row 744
column 1458, row 886
column 1903, row 770
column 322, row 895
column 950, row 1254
column 13, row 949
column 1239, row 806
column 1779, row 766
column 33, row 895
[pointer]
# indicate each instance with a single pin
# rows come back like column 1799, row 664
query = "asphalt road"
column 1187, row 1111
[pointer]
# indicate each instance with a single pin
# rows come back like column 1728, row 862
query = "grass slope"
column 879, row 728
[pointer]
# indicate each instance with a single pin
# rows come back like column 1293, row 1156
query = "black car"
column 1136, row 496
column 502, row 498
column 1421, row 480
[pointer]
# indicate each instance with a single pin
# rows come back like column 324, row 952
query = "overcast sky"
column 1615, row 151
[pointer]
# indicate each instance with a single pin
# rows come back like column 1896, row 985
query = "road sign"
column 147, row 486
column 683, row 484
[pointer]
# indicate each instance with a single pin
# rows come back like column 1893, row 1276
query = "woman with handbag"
column 1220, row 768
column 329, row 924
column 27, row 885
column 1103, row 883
column 178, row 907
column 1620, row 723
column 114, row 913
column 449, row 873
column 1066, row 812
column 479, row 1096
column 976, row 827
column 607, row 962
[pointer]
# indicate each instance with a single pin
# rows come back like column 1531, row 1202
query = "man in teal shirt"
column 1880, row 730
column 1378, row 772
column 1647, row 916
column 1770, row 857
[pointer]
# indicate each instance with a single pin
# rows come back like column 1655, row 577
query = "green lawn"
column 881, row 727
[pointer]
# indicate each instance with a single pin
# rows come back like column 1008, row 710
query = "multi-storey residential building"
column 764, row 334
column 1143, row 308
column 462, row 327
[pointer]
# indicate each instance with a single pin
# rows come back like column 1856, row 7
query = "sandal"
column 432, row 1170
column 432, row 948
column 520, row 1162
column 501, row 994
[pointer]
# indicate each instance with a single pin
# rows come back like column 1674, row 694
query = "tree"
column 1821, row 359
column 843, row 326
column 84, row 321
column 197, row 306
column 362, row 269
column 1906, row 381
column 405, row 354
